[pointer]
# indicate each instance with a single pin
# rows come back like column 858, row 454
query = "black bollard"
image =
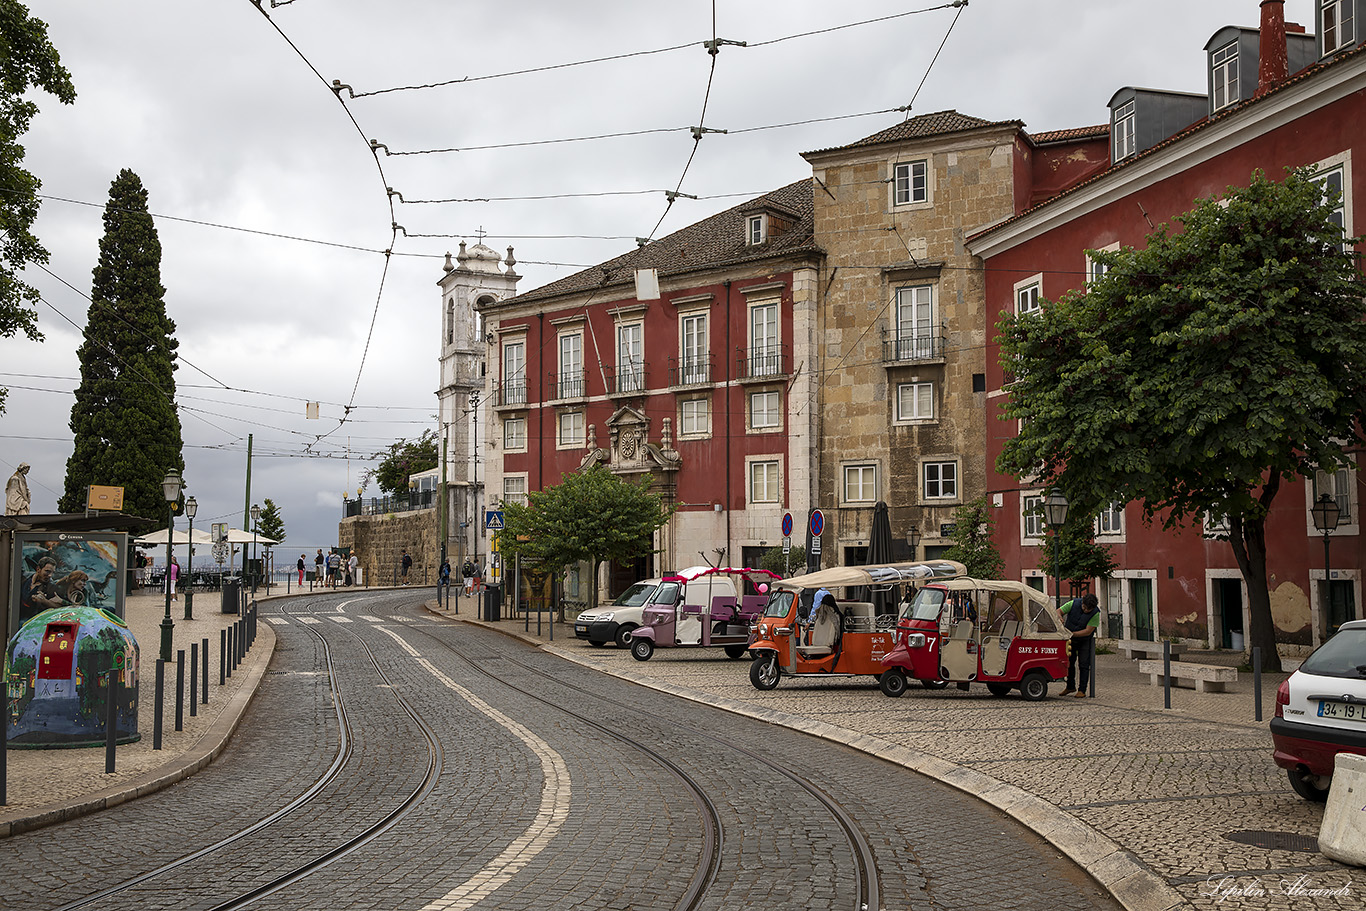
column 204, row 685
column 194, row 679
column 157, row 708
column 222, row 656
column 180, row 689
column 1167, row 672
column 1257, row 680
column 111, row 710
column 231, row 650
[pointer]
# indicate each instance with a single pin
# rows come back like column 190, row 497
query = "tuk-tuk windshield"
column 636, row 595
column 779, row 603
column 667, row 594
column 926, row 606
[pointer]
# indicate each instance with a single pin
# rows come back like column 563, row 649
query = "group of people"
column 330, row 570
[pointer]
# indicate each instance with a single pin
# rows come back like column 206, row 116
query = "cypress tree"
column 127, row 431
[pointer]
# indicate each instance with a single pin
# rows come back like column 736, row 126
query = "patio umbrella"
column 178, row 539
column 238, row 536
column 880, row 551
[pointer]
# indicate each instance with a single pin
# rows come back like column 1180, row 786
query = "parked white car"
column 614, row 622
column 1321, row 711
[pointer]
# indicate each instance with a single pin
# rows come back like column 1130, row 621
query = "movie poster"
column 58, row 569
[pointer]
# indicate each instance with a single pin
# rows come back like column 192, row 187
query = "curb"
column 1114, row 868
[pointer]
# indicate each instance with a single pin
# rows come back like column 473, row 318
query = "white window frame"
column 1108, row 525
column 510, row 484
column 514, row 440
column 1342, row 33
column 693, row 347
column 1095, row 269
column 575, row 438
column 1033, row 528
column 917, row 318
column 756, row 230
column 912, row 183
column 514, row 372
column 776, row 412
column 1345, row 488
column 1213, row 526
column 860, row 482
column 630, row 372
column 1028, row 294
column 920, row 397
column 1224, row 76
column 570, row 381
column 703, row 413
column 941, row 481
column 772, row 480
column 1122, row 133
column 1338, row 167
column 765, row 338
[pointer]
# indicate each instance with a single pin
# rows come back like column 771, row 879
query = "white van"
column 614, row 622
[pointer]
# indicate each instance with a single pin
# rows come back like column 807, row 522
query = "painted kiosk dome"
column 57, row 679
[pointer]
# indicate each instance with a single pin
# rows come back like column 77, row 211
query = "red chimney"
column 1273, row 63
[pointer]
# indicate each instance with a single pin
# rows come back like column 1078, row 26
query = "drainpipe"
column 729, row 391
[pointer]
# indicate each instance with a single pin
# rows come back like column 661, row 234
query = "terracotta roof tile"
column 1096, row 132
column 936, row 124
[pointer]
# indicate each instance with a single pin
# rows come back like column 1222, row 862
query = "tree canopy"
column 27, row 61
column 402, row 459
column 1201, row 372
column 127, row 431
column 591, row 516
column 271, row 524
column 973, row 542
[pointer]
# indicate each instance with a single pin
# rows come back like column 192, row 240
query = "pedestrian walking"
column 467, row 572
column 318, row 562
column 406, row 563
column 352, row 568
column 1082, row 619
column 334, row 565
column 443, row 579
column 172, row 575
column 301, row 569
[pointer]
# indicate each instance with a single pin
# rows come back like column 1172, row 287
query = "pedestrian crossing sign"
column 493, row 519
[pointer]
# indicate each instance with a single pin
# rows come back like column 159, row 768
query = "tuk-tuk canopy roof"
column 694, row 572
column 885, row 574
column 967, row 583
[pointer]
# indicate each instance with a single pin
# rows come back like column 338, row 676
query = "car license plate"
column 1351, row 711
column 581, row 627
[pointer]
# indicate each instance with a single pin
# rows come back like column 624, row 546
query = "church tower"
column 477, row 277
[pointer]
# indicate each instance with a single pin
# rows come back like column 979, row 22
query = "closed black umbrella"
column 880, row 551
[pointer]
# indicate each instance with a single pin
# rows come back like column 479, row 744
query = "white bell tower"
column 475, row 278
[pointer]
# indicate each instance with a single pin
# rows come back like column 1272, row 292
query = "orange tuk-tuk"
column 836, row 622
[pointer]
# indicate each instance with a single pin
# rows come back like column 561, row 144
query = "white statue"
column 16, row 492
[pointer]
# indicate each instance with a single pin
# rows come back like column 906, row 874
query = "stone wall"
column 379, row 541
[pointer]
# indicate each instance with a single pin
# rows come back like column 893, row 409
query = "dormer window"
column 1338, row 25
column 1122, row 132
column 1224, row 75
column 756, row 230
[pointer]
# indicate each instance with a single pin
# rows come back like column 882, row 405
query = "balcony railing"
column 690, row 371
column 569, row 384
column 510, row 392
column 626, row 379
column 759, row 363
column 909, row 349
column 380, row 506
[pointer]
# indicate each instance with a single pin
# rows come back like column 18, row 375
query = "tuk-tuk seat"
column 823, row 634
column 723, row 607
column 753, row 605
column 962, row 630
column 859, row 616
column 1010, row 629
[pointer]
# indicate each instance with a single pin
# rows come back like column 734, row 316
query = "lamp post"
column 191, row 507
column 1326, row 514
column 1055, row 514
column 170, row 489
column 913, row 539
column 255, row 573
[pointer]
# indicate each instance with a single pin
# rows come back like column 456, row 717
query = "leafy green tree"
column 774, row 561
column 402, row 459
column 127, row 431
column 27, row 61
column 973, row 544
column 1080, row 558
column 591, row 516
column 1200, row 373
column 271, row 524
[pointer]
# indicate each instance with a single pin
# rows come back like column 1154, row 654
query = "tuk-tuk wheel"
column 642, row 649
column 893, row 682
column 1034, row 686
column 763, row 672
column 735, row 651
column 999, row 689
column 934, row 684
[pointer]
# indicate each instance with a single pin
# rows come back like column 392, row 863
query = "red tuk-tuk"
column 964, row 631
column 837, row 622
column 722, row 619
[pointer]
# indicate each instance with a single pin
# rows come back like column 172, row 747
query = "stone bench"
column 1138, row 648
column 1206, row 678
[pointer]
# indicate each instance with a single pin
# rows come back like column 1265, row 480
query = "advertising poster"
column 60, row 569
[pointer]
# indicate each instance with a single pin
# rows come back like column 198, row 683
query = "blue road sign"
column 493, row 519
column 817, row 523
column 787, row 524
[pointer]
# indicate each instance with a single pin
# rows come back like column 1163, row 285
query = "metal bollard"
column 1257, row 680
column 231, row 650
column 180, row 689
column 157, row 709
column 194, row 679
column 110, row 719
column 222, row 656
column 1167, row 673
column 204, row 647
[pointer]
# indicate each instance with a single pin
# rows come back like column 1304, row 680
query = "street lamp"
column 170, row 489
column 913, row 539
column 1326, row 514
column 1055, row 514
column 255, row 573
column 191, row 507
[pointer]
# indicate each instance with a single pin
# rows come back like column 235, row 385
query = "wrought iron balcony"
column 762, row 363
column 912, row 349
column 626, row 379
column 569, row 384
column 690, row 371
column 510, row 393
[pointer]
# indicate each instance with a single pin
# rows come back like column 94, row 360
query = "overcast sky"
column 274, row 214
